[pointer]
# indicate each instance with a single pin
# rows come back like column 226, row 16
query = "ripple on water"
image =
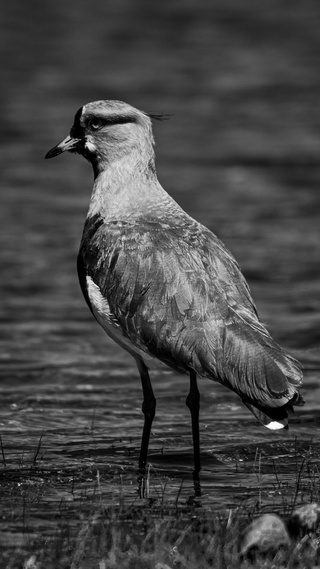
column 60, row 435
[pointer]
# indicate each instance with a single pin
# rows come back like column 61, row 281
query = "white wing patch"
column 104, row 316
column 98, row 302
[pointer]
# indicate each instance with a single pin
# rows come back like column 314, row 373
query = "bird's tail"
column 275, row 418
column 262, row 373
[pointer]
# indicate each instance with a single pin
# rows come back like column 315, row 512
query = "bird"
column 162, row 285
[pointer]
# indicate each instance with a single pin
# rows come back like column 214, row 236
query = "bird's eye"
column 95, row 124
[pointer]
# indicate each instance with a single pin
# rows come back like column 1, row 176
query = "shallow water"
column 240, row 155
column 72, row 432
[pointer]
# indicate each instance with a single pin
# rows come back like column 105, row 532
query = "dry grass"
column 151, row 533
column 144, row 541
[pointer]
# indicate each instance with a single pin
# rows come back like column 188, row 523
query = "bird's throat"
column 120, row 193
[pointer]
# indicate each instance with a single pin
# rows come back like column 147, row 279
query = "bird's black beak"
column 71, row 144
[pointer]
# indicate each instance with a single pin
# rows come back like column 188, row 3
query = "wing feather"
column 178, row 294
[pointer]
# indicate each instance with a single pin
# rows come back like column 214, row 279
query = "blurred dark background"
column 240, row 153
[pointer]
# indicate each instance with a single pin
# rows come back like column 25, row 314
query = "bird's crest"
column 159, row 117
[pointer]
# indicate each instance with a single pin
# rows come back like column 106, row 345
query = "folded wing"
column 178, row 295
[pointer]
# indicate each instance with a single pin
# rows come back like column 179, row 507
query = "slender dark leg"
column 149, row 410
column 193, row 402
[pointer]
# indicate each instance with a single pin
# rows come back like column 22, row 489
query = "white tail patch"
column 275, row 425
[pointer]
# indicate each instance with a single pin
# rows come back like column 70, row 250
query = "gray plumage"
column 160, row 283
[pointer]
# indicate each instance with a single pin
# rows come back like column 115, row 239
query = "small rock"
column 266, row 534
column 304, row 520
column 31, row 563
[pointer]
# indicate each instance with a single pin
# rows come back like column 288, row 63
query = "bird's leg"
column 148, row 409
column 193, row 402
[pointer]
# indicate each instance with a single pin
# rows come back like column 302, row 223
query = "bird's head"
column 105, row 131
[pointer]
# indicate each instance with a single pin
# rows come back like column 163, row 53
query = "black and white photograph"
column 160, row 284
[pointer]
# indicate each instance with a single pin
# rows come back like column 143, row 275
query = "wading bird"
column 162, row 285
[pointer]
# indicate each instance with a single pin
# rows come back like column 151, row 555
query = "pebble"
column 266, row 534
column 304, row 520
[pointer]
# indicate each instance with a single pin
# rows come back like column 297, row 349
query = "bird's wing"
column 177, row 293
